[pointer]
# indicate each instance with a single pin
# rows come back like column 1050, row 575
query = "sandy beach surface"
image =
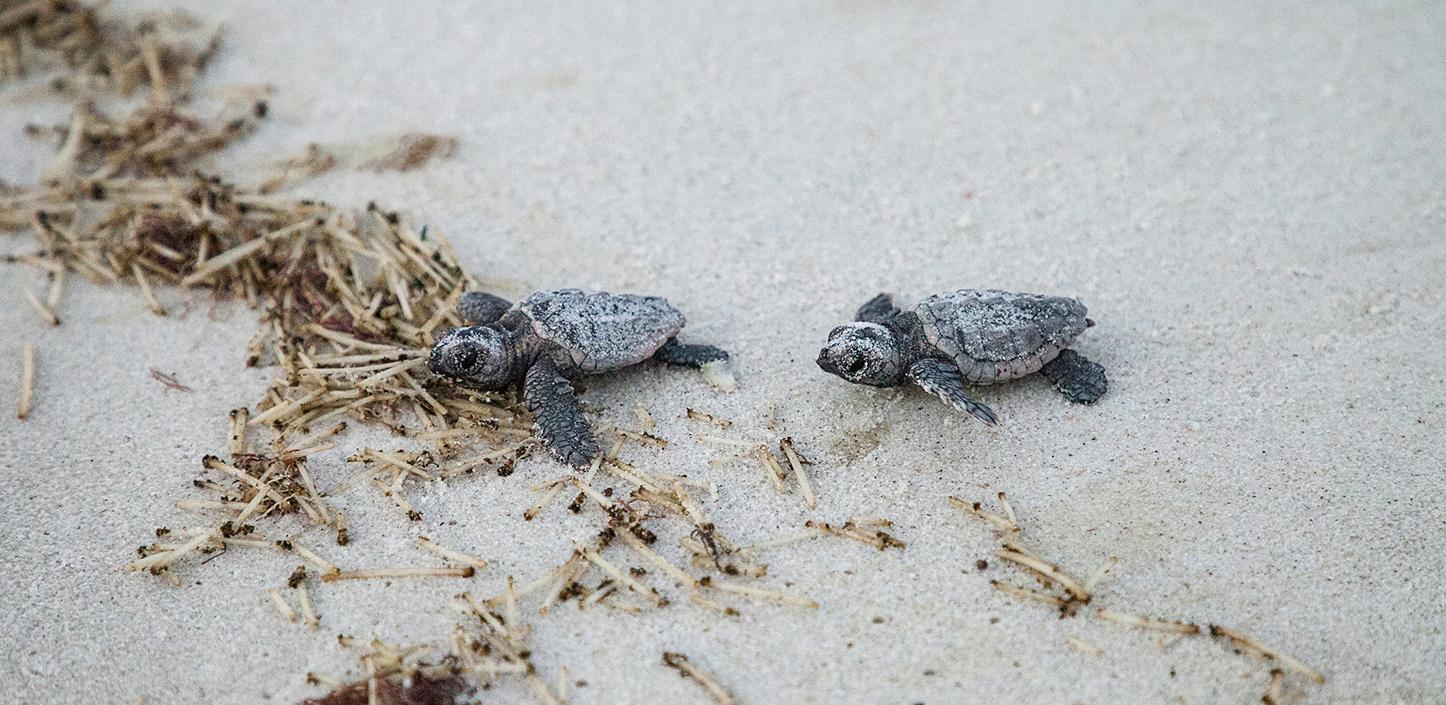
column 1250, row 198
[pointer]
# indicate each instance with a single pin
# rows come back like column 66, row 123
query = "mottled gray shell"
column 602, row 331
column 995, row 335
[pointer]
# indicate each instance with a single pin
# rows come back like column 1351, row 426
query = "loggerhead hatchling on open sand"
column 552, row 337
column 968, row 336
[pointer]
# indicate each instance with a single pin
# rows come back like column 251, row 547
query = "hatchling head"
column 479, row 357
column 862, row 353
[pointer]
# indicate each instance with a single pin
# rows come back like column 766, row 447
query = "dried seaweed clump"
column 350, row 300
column 398, row 675
column 80, row 51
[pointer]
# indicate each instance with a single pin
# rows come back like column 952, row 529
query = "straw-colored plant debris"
column 707, row 418
column 397, row 675
column 1158, row 625
column 456, row 556
column 1071, row 596
column 27, row 381
column 685, row 668
column 768, row 463
column 389, row 573
column 1250, row 644
column 405, row 152
column 349, row 303
column 169, row 380
column 1083, row 646
column 1272, row 690
column 411, row 151
column 869, row 532
column 498, row 646
column 797, row 462
column 78, row 50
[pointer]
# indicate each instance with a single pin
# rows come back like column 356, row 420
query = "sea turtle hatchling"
column 969, row 336
column 552, row 337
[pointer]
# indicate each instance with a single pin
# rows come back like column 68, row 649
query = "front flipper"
column 942, row 379
column 676, row 353
column 1079, row 379
column 877, row 310
column 479, row 309
column 557, row 419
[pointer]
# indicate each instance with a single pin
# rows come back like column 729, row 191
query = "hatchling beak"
column 434, row 357
column 434, row 362
column 823, row 363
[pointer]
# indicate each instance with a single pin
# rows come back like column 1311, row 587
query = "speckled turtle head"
column 479, row 357
column 862, row 353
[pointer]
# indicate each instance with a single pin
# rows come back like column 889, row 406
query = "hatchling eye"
column 856, row 366
column 467, row 358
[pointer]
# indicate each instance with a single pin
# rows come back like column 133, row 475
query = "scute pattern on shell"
column 998, row 335
column 602, row 331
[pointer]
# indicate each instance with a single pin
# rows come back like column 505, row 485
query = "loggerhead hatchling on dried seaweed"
column 552, row 337
column 969, row 336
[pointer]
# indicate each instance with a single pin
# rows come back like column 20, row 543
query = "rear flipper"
column 942, row 379
column 557, row 419
column 676, row 353
column 479, row 309
column 1077, row 378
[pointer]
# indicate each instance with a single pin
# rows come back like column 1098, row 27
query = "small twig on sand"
column 771, row 468
column 281, row 606
column 169, row 380
column 467, row 572
column 437, row 549
column 1157, row 625
column 1094, row 580
column 27, row 381
column 1245, row 642
column 1272, row 691
column 707, row 418
column 1027, row 593
column 1084, row 647
column 686, row 669
column 1048, row 570
column 796, row 462
column 977, row 510
column 760, row 593
column 46, row 312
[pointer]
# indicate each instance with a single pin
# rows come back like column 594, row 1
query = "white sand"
column 1249, row 200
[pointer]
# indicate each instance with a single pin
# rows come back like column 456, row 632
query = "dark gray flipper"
column 942, row 379
column 557, row 419
column 479, row 309
column 1079, row 379
column 877, row 310
column 676, row 353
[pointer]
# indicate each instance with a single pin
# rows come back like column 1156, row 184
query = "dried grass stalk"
column 1157, row 625
column 437, row 549
column 795, row 461
column 386, row 573
column 1027, row 593
column 1245, row 642
column 707, row 418
column 1084, row 647
column 686, row 669
column 27, row 381
column 1048, row 570
column 977, row 510
column 47, row 313
column 281, row 606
